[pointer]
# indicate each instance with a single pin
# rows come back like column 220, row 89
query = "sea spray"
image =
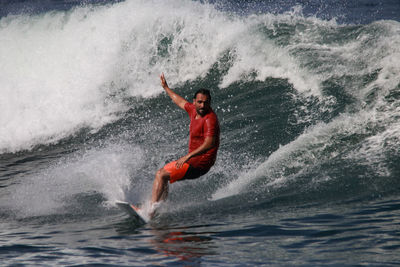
column 65, row 71
column 106, row 172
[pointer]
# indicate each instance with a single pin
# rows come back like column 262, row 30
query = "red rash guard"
column 199, row 129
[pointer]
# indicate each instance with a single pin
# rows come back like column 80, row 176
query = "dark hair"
column 203, row 92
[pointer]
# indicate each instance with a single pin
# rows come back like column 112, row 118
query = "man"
column 203, row 143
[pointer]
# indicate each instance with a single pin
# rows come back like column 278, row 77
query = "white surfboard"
column 133, row 211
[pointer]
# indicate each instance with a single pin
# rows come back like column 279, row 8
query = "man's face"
column 202, row 104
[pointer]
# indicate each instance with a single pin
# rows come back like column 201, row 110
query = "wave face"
column 308, row 107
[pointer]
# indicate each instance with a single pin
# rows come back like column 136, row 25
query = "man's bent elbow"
column 210, row 142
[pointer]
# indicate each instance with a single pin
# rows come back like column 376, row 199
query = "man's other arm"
column 177, row 99
column 209, row 142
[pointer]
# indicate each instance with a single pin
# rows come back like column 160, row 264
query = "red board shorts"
column 183, row 173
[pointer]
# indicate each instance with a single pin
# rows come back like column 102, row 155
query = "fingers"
column 179, row 164
column 163, row 81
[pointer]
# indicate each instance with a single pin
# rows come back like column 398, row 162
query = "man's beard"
column 201, row 111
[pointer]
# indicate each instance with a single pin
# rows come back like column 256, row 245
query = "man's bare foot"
column 153, row 209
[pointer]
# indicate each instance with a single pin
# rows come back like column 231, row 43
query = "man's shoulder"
column 212, row 115
column 189, row 107
column 211, row 120
column 188, row 104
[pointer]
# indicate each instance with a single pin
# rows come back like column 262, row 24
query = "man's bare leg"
column 160, row 186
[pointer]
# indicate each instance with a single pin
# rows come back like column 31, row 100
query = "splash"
column 106, row 172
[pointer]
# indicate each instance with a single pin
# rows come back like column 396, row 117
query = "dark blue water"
column 308, row 97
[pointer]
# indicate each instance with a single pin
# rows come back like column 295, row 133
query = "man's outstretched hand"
column 163, row 81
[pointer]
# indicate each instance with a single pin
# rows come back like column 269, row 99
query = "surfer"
column 203, row 143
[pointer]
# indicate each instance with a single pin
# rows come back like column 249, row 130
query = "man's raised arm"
column 177, row 99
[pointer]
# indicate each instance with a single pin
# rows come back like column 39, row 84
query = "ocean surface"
column 308, row 98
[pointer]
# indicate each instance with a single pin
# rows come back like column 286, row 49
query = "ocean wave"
column 80, row 69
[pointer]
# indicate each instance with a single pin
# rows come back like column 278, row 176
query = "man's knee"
column 163, row 175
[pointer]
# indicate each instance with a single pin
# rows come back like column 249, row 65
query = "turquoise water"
column 307, row 96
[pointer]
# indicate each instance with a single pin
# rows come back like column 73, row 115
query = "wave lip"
column 55, row 75
column 64, row 71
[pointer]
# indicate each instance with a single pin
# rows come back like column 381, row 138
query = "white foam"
column 309, row 149
column 64, row 71
column 52, row 76
column 375, row 117
column 255, row 53
column 107, row 171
